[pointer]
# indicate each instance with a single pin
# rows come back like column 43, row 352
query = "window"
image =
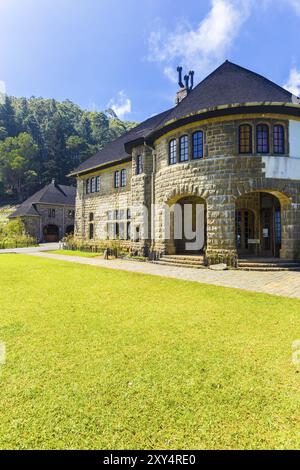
column 91, row 216
column 87, row 186
column 117, row 179
column 128, row 233
column 110, row 215
column 71, row 214
column 197, row 145
column 262, row 138
column 91, row 231
column 97, row 184
column 139, row 164
column 173, row 152
column 116, row 214
column 184, row 148
column 278, row 141
column 123, row 178
column 51, row 213
column 245, row 139
column 93, row 185
column 128, row 214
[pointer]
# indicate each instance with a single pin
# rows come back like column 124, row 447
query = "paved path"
column 278, row 283
column 32, row 249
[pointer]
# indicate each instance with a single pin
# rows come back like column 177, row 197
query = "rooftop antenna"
column 187, row 79
column 191, row 74
column 180, row 82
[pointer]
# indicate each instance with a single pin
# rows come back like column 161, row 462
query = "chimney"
column 185, row 87
column 180, row 95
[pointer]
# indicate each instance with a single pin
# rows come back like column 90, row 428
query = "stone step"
column 268, row 265
column 186, row 261
column 266, row 260
column 179, row 265
column 269, row 269
column 184, row 258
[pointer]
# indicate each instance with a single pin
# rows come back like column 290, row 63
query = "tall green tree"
column 17, row 162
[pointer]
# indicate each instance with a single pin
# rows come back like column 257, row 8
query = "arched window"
column 262, row 138
column 184, row 148
column 245, row 138
column 173, row 152
column 278, row 139
column 197, row 145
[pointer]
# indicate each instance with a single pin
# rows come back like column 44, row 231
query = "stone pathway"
column 32, row 249
column 277, row 283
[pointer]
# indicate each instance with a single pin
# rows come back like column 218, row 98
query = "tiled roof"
column 228, row 85
column 53, row 193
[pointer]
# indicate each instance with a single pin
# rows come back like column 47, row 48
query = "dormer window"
column 245, row 139
column 262, row 138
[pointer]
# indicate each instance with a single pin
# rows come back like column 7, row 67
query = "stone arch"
column 51, row 233
column 180, row 192
column 272, row 232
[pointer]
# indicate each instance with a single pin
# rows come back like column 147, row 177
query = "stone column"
column 290, row 222
column 221, row 243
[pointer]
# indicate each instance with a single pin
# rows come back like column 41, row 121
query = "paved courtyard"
column 277, row 283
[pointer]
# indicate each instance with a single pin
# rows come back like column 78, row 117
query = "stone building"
column 230, row 145
column 49, row 214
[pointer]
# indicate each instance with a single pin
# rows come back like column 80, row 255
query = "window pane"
column 197, row 145
column 93, row 185
column 139, row 166
column 117, row 179
column 172, row 152
column 184, row 148
column 98, row 184
column 262, row 138
column 123, row 178
column 246, row 139
column 278, row 139
column 87, row 186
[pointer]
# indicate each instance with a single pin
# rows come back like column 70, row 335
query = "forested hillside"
column 41, row 139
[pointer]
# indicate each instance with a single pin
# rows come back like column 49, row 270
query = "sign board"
column 265, row 232
column 254, row 241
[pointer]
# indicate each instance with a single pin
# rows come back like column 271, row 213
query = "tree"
column 17, row 156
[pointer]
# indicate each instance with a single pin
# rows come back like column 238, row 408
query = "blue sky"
column 124, row 53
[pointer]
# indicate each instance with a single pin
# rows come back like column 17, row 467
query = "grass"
column 82, row 254
column 98, row 358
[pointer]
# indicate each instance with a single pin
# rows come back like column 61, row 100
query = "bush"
column 117, row 247
column 13, row 235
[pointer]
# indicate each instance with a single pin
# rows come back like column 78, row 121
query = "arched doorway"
column 51, row 233
column 70, row 230
column 188, row 225
column 258, row 225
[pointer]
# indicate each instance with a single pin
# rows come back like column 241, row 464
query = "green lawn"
column 82, row 254
column 98, row 358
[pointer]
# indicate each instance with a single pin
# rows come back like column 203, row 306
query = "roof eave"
column 102, row 166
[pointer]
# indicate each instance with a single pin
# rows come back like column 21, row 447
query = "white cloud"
column 2, row 91
column 296, row 5
column 121, row 105
column 293, row 83
column 205, row 46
